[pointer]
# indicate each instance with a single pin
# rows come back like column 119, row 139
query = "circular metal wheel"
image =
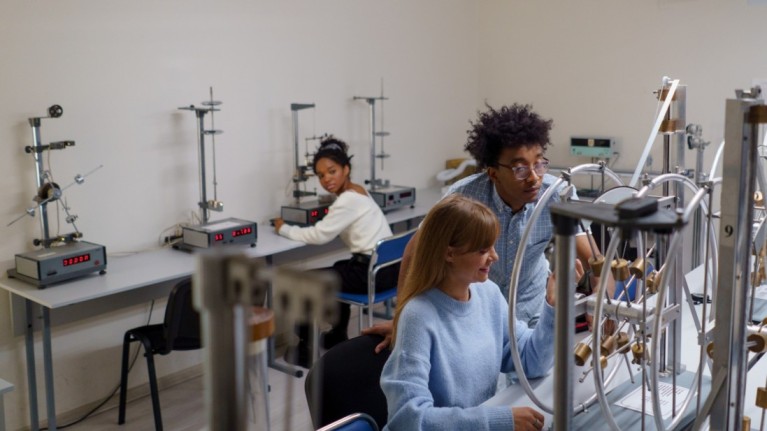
column 589, row 169
column 656, row 306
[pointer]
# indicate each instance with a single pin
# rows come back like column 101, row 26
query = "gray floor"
column 183, row 408
column 183, row 405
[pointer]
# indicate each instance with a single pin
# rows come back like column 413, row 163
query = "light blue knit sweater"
column 447, row 358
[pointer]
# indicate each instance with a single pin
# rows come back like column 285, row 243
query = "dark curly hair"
column 333, row 149
column 509, row 127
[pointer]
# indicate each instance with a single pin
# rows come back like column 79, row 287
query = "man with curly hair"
column 509, row 145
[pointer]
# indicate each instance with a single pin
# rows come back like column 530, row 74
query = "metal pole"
column 224, row 333
column 735, row 233
column 31, row 376
column 39, row 172
column 50, row 399
column 373, row 184
column 298, row 176
column 563, row 328
column 201, row 159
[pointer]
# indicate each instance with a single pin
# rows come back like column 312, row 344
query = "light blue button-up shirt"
column 535, row 268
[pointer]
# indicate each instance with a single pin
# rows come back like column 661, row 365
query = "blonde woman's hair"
column 456, row 221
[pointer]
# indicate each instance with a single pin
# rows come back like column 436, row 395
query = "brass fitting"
column 620, row 269
column 582, row 353
column 637, row 349
column 760, row 342
column 637, row 268
column 596, row 264
column 761, row 397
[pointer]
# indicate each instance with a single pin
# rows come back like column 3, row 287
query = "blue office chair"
column 353, row 422
column 179, row 331
column 387, row 252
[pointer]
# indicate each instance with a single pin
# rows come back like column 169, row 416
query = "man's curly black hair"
column 509, row 127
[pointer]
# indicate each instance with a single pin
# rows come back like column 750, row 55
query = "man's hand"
column 383, row 328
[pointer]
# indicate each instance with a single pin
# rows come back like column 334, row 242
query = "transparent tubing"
column 717, row 160
column 591, row 168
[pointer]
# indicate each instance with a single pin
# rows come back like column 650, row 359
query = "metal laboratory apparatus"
column 62, row 256
column 302, row 213
column 222, row 232
column 387, row 196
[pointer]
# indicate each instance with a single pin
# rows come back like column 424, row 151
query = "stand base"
column 49, row 280
column 627, row 419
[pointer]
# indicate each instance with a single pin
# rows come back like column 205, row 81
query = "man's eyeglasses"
column 523, row 172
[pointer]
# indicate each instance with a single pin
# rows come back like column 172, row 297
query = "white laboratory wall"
column 120, row 70
column 593, row 65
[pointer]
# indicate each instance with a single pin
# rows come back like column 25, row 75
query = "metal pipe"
column 223, row 327
column 39, row 173
column 201, row 160
column 31, row 373
column 563, row 329
column 50, row 399
column 735, row 233
column 373, row 181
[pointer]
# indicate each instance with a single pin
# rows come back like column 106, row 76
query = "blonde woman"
column 451, row 337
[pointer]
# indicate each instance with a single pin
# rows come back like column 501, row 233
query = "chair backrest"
column 182, row 321
column 388, row 251
column 353, row 422
column 345, row 380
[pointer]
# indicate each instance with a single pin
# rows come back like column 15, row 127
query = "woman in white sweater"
column 358, row 221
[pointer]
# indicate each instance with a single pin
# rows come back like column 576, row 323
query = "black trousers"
column 354, row 279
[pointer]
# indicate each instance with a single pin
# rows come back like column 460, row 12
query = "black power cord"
column 114, row 391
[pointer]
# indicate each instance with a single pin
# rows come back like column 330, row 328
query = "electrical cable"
column 114, row 391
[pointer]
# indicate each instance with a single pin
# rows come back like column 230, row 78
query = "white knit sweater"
column 356, row 218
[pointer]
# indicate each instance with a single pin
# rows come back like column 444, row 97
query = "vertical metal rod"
column 39, row 172
column 270, row 359
column 735, row 233
column 698, row 236
column 50, row 399
column 223, row 328
column 563, row 329
column 372, row 103
column 296, row 163
column 263, row 372
column 201, row 158
column 31, row 376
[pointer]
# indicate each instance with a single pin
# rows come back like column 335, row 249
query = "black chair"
column 179, row 331
column 345, row 380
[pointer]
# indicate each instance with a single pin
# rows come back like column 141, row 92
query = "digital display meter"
column 74, row 260
column 393, row 197
column 305, row 213
column 221, row 232
column 55, row 264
